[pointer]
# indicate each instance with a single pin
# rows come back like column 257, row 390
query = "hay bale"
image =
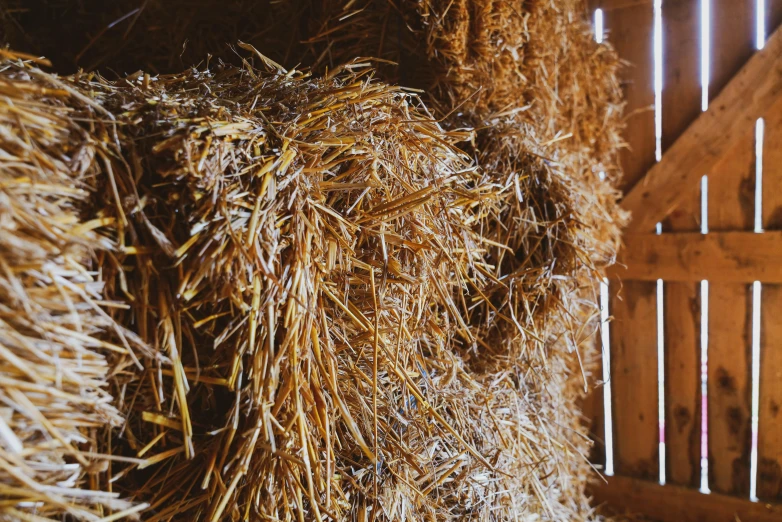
column 309, row 225
column 319, row 276
column 57, row 341
column 499, row 66
column 262, row 252
column 544, row 99
column 305, row 256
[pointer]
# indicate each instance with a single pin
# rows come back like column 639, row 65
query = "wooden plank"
column 770, row 414
column 748, row 96
column 634, row 379
column 733, row 40
column 731, row 197
column 730, row 312
column 634, row 305
column 681, row 104
column 631, row 32
column 678, row 504
column 770, row 410
column 727, row 257
column 681, row 96
column 729, row 390
column 682, row 383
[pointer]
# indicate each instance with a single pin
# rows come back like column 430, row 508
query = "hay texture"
column 322, row 284
column 544, row 100
column 313, row 239
column 347, row 303
column 304, row 257
column 57, row 341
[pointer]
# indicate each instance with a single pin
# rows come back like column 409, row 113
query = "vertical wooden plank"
column 729, row 388
column 681, row 104
column 770, row 407
column 634, row 379
column 633, row 304
column 732, row 40
column 770, row 410
column 682, row 379
column 731, row 207
column 630, row 30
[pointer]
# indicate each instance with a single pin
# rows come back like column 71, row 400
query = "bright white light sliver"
column 661, row 377
column 604, row 326
column 753, row 456
column 759, row 131
column 704, row 387
column 599, row 25
column 607, row 415
column 658, row 78
column 658, row 152
column 705, row 52
column 756, row 286
column 704, row 205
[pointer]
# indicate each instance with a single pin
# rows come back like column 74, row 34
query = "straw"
column 359, row 306
column 57, row 341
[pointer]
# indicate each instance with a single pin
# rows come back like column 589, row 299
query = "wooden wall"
column 731, row 207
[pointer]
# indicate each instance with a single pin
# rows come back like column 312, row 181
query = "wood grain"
column 731, row 199
column 748, row 96
column 631, row 32
column 634, row 305
column 678, row 504
column 770, row 410
column 733, row 40
column 727, row 257
column 681, row 105
column 610, row 5
column 770, row 407
column 634, row 379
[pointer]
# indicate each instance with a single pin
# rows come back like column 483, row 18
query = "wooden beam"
column 748, row 96
column 678, row 504
column 728, row 257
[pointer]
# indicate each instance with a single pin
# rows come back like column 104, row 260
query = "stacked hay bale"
column 354, row 311
column 309, row 243
column 58, row 344
column 544, row 99
column 304, row 278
